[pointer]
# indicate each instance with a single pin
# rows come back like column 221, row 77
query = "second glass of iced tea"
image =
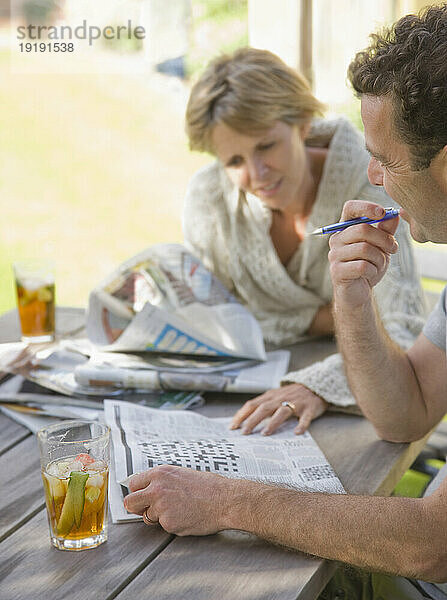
column 35, row 299
column 74, row 458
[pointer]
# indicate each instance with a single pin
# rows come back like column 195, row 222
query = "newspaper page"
column 51, row 366
column 63, row 368
column 144, row 438
column 165, row 300
column 159, row 372
column 38, row 382
column 35, row 410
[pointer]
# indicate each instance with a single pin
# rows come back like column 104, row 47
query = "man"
column 402, row 82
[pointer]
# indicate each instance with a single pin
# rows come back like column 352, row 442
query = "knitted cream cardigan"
column 229, row 231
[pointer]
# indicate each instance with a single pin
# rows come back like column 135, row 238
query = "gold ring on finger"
column 289, row 405
column 147, row 519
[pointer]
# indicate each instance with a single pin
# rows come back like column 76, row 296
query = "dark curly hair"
column 408, row 62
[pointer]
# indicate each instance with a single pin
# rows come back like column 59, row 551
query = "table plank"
column 67, row 321
column 226, row 566
column 31, row 568
column 11, row 433
column 20, row 485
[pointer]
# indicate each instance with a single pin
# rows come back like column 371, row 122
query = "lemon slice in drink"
column 44, row 295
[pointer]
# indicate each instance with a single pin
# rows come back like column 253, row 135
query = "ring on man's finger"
column 289, row 405
column 148, row 520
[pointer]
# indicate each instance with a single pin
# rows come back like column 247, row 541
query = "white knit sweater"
column 229, row 231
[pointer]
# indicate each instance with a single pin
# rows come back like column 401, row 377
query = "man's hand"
column 183, row 501
column 307, row 407
column 360, row 254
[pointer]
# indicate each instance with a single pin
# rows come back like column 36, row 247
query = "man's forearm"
column 394, row 535
column 379, row 374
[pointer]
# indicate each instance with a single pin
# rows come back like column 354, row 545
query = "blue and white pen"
column 390, row 213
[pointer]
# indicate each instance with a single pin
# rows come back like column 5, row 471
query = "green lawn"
column 92, row 170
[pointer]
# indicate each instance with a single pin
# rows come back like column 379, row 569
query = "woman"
column 279, row 174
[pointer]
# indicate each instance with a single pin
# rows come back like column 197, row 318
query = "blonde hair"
column 248, row 91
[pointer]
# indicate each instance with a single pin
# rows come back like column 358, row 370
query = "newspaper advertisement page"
column 144, row 438
column 165, row 300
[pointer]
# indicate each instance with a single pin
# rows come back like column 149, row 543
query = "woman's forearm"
column 323, row 322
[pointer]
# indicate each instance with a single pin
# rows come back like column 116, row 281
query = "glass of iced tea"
column 35, row 299
column 74, row 457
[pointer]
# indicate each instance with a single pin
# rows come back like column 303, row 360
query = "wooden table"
column 140, row 562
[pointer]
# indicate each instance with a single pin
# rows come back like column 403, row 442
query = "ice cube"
column 52, row 469
column 97, row 465
column 95, row 480
column 57, row 487
column 75, row 465
column 59, row 468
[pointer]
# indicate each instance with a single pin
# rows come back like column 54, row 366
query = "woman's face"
column 273, row 165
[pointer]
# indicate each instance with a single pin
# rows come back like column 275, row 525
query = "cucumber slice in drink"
column 74, row 503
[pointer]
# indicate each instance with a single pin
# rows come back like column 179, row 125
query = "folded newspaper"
column 160, row 322
column 165, row 300
column 166, row 372
column 34, row 406
column 144, row 438
column 74, row 369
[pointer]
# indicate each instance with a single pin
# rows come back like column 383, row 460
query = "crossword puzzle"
column 317, row 472
column 203, row 455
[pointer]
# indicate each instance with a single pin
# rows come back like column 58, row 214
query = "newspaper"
column 31, row 404
column 36, row 389
column 51, row 366
column 143, row 438
column 165, row 300
column 75, row 369
column 161, row 372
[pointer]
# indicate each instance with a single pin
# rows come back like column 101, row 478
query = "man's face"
column 422, row 194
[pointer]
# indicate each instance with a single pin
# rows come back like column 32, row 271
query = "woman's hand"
column 307, row 407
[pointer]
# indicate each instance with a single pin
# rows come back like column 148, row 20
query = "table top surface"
column 142, row 562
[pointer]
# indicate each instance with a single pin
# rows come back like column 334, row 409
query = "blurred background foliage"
column 94, row 167
column 217, row 26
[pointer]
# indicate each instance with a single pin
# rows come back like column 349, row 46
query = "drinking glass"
column 35, row 299
column 74, row 457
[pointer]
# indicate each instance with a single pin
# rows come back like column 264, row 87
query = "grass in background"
column 92, row 170
column 433, row 285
